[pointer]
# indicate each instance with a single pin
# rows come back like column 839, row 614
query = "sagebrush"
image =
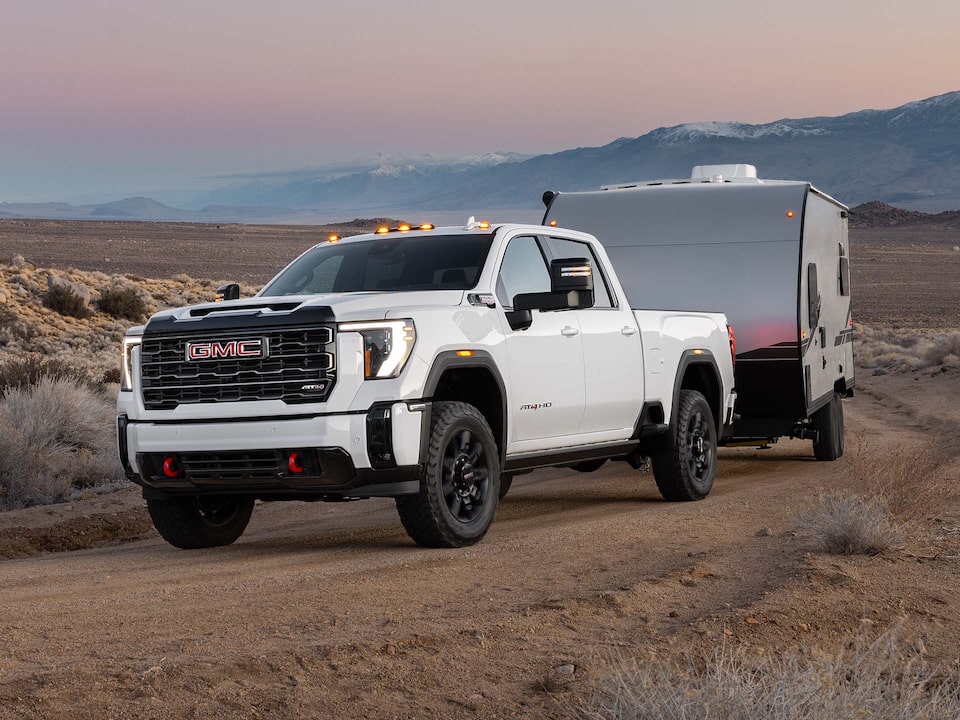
column 123, row 302
column 28, row 370
column 845, row 523
column 56, row 437
column 67, row 302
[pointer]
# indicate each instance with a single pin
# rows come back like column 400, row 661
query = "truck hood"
column 298, row 309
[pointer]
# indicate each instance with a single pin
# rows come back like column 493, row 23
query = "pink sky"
column 123, row 97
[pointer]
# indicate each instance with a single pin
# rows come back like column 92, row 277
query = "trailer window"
column 844, row 276
column 561, row 248
column 813, row 296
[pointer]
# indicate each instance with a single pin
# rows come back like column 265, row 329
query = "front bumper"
column 345, row 455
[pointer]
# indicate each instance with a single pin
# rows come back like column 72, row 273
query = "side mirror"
column 230, row 291
column 573, row 275
column 571, row 288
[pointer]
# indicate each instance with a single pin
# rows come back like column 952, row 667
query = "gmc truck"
column 426, row 364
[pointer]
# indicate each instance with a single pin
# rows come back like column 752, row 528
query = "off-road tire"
column 685, row 463
column 828, row 422
column 196, row 522
column 454, row 508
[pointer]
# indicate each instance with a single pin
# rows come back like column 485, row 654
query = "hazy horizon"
column 111, row 99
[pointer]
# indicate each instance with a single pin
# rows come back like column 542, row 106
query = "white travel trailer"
column 771, row 254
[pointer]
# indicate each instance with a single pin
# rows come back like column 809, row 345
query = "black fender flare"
column 448, row 360
column 693, row 358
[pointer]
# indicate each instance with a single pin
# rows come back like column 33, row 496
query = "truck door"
column 545, row 362
column 612, row 354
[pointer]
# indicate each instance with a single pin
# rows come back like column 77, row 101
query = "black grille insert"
column 299, row 367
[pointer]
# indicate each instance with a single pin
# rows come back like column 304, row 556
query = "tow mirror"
column 571, row 288
column 230, row 291
column 573, row 275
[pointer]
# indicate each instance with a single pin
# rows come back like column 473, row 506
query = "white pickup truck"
column 426, row 364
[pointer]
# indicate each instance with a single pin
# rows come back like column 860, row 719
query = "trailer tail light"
column 733, row 345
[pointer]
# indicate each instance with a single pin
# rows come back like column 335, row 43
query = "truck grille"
column 298, row 366
column 257, row 465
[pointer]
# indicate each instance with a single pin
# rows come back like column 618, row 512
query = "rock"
column 763, row 532
column 55, row 281
column 751, row 620
column 803, row 627
column 565, row 670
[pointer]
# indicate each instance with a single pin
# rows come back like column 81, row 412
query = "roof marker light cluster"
column 403, row 227
column 473, row 224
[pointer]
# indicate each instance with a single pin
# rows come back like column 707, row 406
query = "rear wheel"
column 685, row 465
column 828, row 422
column 460, row 485
column 200, row 522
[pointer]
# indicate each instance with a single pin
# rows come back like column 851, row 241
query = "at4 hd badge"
column 217, row 349
column 536, row 406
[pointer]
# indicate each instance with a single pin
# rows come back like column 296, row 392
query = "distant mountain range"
column 908, row 156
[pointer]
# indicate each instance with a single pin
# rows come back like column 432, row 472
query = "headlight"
column 126, row 380
column 387, row 345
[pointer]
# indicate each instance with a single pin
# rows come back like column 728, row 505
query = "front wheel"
column 828, row 422
column 200, row 522
column 460, row 484
column 685, row 464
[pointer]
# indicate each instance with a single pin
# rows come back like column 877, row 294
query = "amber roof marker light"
column 333, row 238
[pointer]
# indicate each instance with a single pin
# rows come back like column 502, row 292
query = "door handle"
column 627, row 330
column 568, row 331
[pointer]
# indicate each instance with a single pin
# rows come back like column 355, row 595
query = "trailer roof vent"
column 723, row 173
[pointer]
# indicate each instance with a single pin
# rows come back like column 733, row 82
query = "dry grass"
column 900, row 350
column 56, row 438
column 847, row 524
column 879, row 679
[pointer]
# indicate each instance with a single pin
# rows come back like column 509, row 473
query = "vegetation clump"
column 882, row 678
column 123, row 302
column 56, row 438
column 67, row 302
column 845, row 523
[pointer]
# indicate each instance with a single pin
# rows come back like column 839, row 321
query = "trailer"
column 771, row 254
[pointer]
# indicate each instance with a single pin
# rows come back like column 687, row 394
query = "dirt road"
column 331, row 611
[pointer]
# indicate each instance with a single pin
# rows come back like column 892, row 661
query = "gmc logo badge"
column 227, row 349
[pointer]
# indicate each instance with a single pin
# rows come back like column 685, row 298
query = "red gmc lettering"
column 229, row 349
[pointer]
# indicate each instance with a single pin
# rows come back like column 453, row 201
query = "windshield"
column 390, row 264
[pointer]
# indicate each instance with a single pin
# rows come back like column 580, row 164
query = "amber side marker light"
column 465, row 353
column 791, row 214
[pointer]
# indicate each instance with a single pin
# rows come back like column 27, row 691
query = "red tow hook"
column 294, row 463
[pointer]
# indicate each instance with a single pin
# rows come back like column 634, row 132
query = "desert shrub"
column 944, row 348
column 13, row 328
column 56, row 437
column 845, row 523
column 122, row 302
column 27, row 371
column 67, row 302
column 113, row 376
column 879, row 679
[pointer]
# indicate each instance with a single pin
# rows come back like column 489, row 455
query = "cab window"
column 524, row 270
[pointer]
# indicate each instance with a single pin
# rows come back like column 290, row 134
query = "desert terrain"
column 330, row 611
